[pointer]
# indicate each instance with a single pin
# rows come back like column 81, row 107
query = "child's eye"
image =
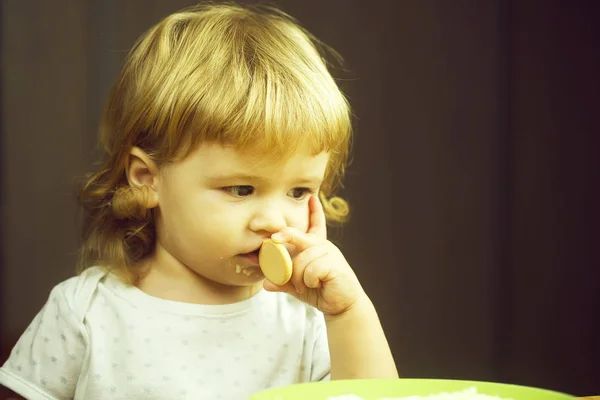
column 239, row 191
column 299, row 193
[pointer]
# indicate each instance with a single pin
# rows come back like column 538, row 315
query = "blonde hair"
column 246, row 76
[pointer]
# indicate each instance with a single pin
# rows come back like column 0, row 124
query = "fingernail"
column 278, row 237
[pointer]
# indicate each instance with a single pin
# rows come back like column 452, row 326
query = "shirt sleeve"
column 321, row 361
column 46, row 361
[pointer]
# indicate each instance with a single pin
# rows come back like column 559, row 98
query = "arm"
column 357, row 344
column 322, row 278
column 46, row 360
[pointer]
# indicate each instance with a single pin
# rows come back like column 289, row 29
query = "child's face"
column 219, row 204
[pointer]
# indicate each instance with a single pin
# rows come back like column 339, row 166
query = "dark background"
column 473, row 186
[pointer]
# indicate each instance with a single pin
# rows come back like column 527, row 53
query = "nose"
column 268, row 219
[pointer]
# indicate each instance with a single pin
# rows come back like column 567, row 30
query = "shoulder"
column 79, row 290
column 48, row 358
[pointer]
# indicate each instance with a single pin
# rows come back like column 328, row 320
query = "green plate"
column 379, row 389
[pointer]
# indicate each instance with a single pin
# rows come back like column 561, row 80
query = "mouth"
column 249, row 265
column 251, row 257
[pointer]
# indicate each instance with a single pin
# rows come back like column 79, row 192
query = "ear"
column 142, row 171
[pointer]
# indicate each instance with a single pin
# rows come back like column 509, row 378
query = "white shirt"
column 98, row 338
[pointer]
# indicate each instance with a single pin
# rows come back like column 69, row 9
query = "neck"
column 169, row 279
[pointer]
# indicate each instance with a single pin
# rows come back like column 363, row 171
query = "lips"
column 251, row 257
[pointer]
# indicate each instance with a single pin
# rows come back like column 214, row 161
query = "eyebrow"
column 317, row 180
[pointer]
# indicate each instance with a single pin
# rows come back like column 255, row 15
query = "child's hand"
column 321, row 276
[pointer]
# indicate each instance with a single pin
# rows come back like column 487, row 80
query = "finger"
column 287, row 288
column 316, row 273
column 317, row 221
column 304, row 259
column 296, row 237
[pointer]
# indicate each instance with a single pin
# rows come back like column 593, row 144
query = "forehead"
column 215, row 159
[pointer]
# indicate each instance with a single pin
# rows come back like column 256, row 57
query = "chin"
column 250, row 280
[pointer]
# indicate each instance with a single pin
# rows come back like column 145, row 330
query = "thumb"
column 286, row 288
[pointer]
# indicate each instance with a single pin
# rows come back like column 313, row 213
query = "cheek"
column 299, row 218
column 189, row 214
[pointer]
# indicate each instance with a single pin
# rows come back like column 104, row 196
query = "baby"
column 223, row 129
